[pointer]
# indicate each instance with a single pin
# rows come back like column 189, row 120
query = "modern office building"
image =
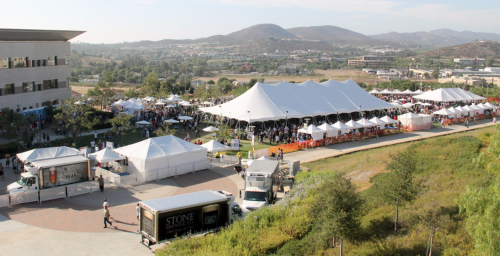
column 34, row 67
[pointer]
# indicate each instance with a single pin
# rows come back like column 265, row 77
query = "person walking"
column 239, row 157
column 2, row 175
column 106, row 217
column 101, row 183
column 14, row 164
column 197, row 132
column 7, row 160
column 467, row 123
column 106, row 204
column 95, row 136
column 137, row 211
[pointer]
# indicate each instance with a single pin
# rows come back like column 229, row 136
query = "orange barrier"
column 285, row 147
column 493, row 98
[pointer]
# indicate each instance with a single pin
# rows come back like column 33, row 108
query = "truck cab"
column 261, row 185
column 27, row 182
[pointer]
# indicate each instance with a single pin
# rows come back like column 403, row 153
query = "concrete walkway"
column 68, row 227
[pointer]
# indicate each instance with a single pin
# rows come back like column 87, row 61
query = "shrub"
column 11, row 148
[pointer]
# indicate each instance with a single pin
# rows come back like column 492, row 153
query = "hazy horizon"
column 115, row 21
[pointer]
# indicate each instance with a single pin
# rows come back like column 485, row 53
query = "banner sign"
column 235, row 144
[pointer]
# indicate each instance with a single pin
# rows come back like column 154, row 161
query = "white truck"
column 261, row 184
column 50, row 173
column 195, row 213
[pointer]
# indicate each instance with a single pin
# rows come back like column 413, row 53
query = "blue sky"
column 111, row 21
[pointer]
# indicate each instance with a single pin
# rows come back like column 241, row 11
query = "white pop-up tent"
column 330, row 130
column 443, row 112
column 342, row 127
column 388, row 120
column 449, row 95
column 377, row 121
column 265, row 102
column 415, row 121
column 214, row 146
column 365, row 122
column 316, row 133
column 168, row 155
column 106, row 155
column 47, row 153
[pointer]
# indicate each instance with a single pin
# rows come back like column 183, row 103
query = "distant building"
column 288, row 69
column 34, row 67
column 247, row 68
column 367, row 63
column 475, row 61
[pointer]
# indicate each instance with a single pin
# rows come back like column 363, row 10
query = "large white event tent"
column 449, row 95
column 265, row 102
column 168, row 155
column 47, row 153
column 105, row 155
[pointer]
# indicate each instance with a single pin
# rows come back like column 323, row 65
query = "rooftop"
column 17, row 35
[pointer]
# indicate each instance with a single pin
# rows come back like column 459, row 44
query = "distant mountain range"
column 436, row 38
column 268, row 36
column 486, row 49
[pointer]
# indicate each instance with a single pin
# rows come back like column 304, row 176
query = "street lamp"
column 286, row 118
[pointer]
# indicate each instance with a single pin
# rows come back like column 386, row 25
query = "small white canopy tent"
column 106, row 155
column 118, row 103
column 172, row 121
column 374, row 91
column 388, row 120
column 210, row 129
column 407, row 92
column 415, row 121
column 443, row 112
column 47, row 153
column 168, row 154
column 456, row 113
column 385, row 91
column 469, row 111
column 490, row 105
column 397, row 92
column 477, row 110
column 365, row 123
column 353, row 125
column 342, row 127
column 418, row 91
column 377, row 121
column 448, row 95
column 185, row 118
column 330, row 130
column 316, row 133
column 462, row 111
column 214, row 146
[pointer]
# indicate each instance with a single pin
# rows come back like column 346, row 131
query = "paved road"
column 63, row 227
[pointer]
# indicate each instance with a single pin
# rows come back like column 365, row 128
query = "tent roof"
column 388, row 120
column 341, row 126
column 353, row 125
column 265, row 102
column 105, row 155
column 443, row 112
column 378, row 121
column 47, row 153
column 214, row 146
column 327, row 127
column 374, row 91
column 409, row 115
column 448, row 95
column 158, row 147
column 366, row 123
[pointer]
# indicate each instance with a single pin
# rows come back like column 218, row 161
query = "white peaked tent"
column 416, row 122
column 330, row 130
column 342, row 127
column 476, row 109
column 481, row 105
column 449, row 95
column 418, row 91
column 210, row 129
column 119, row 103
column 397, row 92
column 455, row 112
column 214, row 146
column 407, row 92
column 487, row 104
column 388, row 120
column 365, row 123
column 168, row 155
column 353, row 125
column 377, row 121
column 316, row 133
column 374, row 91
column 443, row 112
column 462, row 111
column 385, row 91
column 47, row 153
column 468, row 111
column 105, row 155
column 265, row 102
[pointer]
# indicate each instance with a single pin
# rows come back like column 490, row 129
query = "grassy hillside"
column 444, row 169
column 470, row 50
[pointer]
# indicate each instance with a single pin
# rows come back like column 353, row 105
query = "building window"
column 20, row 62
column 44, row 63
column 28, row 86
column 33, row 63
column 52, row 61
column 67, row 60
column 49, row 84
column 4, row 63
column 39, row 87
column 8, row 89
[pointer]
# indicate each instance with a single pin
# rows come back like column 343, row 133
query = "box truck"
column 195, row 213
column 261, row 184
column 50, row 173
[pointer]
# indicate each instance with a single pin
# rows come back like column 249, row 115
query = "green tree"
column 489, row 62
column 399, row 188
column 151, row 85
column 131, row 93
column 210, row 81
column 199, row 71
column 435, row 73
column 164, row 130
column 121, row 125
column 338, row 210
column 252, row 82
column 75, row 119
column 16, row 126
